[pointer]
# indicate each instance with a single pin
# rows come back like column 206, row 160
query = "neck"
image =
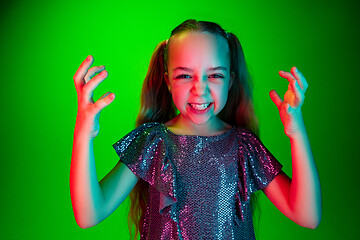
column 182, row 126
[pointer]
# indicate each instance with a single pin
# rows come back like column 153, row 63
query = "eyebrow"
column 209, row 69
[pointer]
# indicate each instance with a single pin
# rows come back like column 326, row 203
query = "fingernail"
column 281, row 71
column 88, row 58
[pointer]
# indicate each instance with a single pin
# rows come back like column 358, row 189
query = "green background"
column 43, row 43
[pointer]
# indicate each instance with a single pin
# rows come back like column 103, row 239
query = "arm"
column 298, row 198
column 86, row 195
column 93, row 201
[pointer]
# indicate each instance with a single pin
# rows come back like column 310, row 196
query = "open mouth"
column 200, row 106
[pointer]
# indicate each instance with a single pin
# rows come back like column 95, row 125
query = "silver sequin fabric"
column 199, row 186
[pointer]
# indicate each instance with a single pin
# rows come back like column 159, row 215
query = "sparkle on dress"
column 199, row 186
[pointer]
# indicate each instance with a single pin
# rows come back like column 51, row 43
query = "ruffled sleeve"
column 144, row 152
column 257, row 166
column 260, row 165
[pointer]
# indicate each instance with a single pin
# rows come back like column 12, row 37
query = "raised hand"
column 290, row 108
column 85, row 83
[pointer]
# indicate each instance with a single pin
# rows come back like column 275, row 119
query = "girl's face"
column 199, row 75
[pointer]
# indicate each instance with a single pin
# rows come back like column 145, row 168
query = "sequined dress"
column 199, row 186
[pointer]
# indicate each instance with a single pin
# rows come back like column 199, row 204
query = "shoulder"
column 247, row 139
column 149, row 127
column 144, row 132
column 245, row 134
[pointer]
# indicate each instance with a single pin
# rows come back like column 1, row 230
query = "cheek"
column 220, row 96
column 179, row 98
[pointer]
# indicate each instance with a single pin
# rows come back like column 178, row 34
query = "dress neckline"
column 198, row 136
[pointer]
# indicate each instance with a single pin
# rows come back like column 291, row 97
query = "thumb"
column 275, row 98
column 103, row 101
column 107, row 94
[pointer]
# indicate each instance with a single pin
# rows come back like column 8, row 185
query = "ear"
column 231, row 80
column 166, row 76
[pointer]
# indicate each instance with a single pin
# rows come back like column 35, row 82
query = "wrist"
column 299, row 130
column 296, row 128
column 84, row 128
column 82, row 132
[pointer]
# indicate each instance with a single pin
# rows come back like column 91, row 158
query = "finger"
column 299, row 95
column 295, row 76
column 287, row 75
column 81, row 71
column 92, row 84
column 275, row 98
column 92, row 71
column 107, row 94
column 103, row 101
column 299, row 77
column 302, row 81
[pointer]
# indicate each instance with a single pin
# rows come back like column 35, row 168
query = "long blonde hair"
column 157, row 105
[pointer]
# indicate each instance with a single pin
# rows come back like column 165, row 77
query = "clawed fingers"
column 296, row 89
column 85, row 83
column 90, row 86
column 296, row 75
column 91, row 72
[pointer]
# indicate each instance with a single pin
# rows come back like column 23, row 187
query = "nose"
column 200, row 87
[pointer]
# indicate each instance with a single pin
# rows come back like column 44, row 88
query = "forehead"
column 198, row 48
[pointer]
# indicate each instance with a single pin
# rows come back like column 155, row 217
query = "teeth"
column 200, row 106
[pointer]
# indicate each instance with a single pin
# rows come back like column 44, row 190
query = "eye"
column 216, row 76
column 183, row 76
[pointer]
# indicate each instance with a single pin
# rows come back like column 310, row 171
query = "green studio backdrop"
column 43, row 43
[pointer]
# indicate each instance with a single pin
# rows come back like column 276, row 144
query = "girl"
column 194, row 160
